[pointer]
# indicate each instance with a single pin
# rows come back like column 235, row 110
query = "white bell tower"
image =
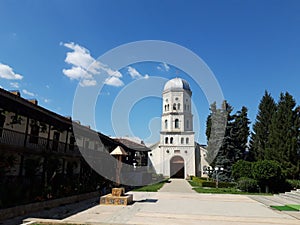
column 177, row 144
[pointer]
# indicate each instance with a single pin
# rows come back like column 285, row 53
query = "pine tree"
column 284, row 133
column 240, row 134
column 261, row 129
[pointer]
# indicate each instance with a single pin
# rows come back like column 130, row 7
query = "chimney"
column 33, row 101
column 16, row 92
column 77, row 121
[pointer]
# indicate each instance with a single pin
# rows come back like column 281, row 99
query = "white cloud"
column 46, row 100
column 14, row 84
column 6, row 72
column 80, row 56
column 85, row 67
column 163, row 67
column 77, row 73
column 104, row 93
column 111, row 72
column 87, row 83
column 114, row 81
column 166, row 66
column 28, row 93
column 1, row 87
column 135, row 74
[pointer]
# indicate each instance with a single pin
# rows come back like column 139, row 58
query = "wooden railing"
column 15, row 138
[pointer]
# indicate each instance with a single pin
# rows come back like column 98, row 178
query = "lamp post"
column 218, row 170
column 208, row 170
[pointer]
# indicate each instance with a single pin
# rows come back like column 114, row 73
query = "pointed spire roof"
column 118, row 151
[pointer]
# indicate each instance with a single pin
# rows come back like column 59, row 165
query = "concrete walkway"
column 177, row 185
column 176, row 203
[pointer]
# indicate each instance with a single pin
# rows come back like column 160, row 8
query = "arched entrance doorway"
column 177, row 167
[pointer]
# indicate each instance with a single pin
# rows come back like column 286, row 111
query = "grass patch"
column 297, row 207
column 195, row 184
column 198, row 188
column 217, row 190
column 284, row 208
column 225, row 191
column 151, row 187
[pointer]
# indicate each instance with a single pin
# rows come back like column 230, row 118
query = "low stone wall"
column 32, row 207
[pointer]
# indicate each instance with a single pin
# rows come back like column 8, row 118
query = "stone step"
column 292, row 198
column 266, row 200
column 293, row 195
column 284, row 201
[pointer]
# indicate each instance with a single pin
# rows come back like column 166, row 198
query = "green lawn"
column 198, row 188
column 151, row 187
column 217, row 190
column 295, row 207
column 286, row 207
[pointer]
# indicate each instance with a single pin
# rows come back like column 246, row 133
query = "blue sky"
column 251, row 46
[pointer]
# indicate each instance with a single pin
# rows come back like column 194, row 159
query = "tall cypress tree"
column 234, row 140
column 225, row 156
column 215, row 129
column 261, row 129
column 284, row 133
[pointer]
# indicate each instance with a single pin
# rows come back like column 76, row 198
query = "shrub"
column 226, row 184
column 269, row 174
column 247, row 184
column 241, row 169
column 208, row 184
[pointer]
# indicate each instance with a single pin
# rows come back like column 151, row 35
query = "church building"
column 177, row 154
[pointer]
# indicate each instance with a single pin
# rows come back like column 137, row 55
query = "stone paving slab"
column 173, row 205
column 177, row 185
column 185, row 208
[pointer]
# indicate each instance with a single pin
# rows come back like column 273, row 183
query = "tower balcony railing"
column 19, row 139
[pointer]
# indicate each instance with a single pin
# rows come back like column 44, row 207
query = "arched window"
column 168, row 107
column 166, row 140
column 187, row 140
column 166, row 124
column 165, row 107
column 187, row 124
column 174, row 106
column 176, row 123
column 182, row 140
column 184, row 106
column 171, row 140
column 178, row 106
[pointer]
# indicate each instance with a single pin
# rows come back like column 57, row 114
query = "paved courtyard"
column 177, row 203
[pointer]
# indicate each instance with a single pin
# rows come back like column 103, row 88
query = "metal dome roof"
column 177, row 83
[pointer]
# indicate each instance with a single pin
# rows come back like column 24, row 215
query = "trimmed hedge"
column 208, row 184
column 220, row 184
column 226, row 185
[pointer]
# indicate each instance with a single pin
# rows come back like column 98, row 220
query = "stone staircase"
column 293, row 195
